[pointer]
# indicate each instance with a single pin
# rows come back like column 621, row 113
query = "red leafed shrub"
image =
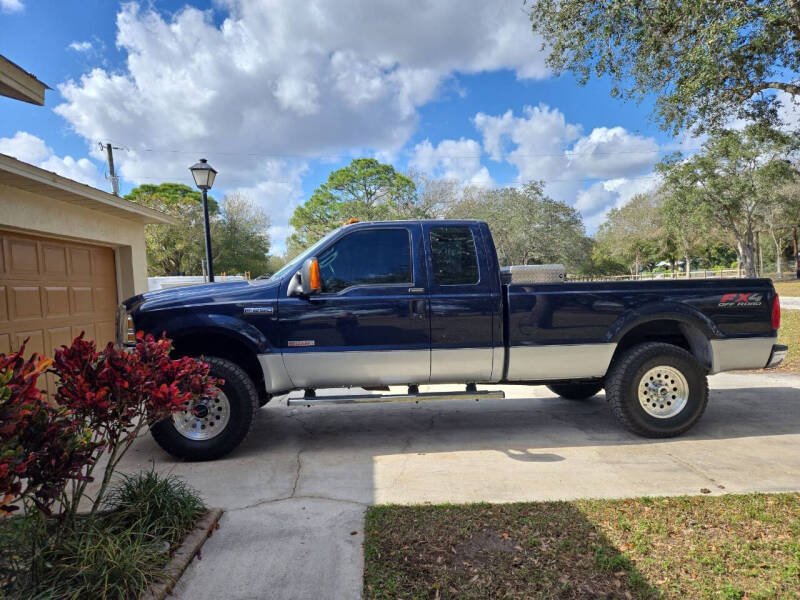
column 113, row 388
column 41, row 445
column 103, row 400
column 118, row 392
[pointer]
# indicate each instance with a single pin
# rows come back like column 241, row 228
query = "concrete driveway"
column 296, row 491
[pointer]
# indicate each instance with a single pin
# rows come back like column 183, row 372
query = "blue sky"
column 277, row 94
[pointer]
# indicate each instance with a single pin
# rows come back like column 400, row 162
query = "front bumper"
column 777, row 355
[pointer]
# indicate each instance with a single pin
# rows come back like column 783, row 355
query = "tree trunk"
column 760, row 255
column 688, row 264
column 778, row 261
column 746, row 255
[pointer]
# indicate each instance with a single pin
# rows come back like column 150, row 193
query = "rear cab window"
column 454, row 255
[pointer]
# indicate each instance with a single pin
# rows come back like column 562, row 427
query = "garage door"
column 51, row 290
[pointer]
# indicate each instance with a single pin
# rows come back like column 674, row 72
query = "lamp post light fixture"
column 204, row 174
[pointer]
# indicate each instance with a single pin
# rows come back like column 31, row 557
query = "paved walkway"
column 790, row 302
column 295, row 493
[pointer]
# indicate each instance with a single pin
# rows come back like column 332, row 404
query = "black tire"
column 581, row 390
column 626, row 379
column 243, row 401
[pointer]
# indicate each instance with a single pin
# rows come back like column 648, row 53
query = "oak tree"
column 706, row 62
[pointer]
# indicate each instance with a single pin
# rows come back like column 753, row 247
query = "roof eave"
column 17, row 83
column 28, row 177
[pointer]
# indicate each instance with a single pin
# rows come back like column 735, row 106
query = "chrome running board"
column 372, row 398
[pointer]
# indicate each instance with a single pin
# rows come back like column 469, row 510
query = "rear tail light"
column 776, row 312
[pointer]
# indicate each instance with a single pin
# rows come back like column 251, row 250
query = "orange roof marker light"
column 351, row 220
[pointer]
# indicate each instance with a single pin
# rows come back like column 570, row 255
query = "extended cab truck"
column 418, row 302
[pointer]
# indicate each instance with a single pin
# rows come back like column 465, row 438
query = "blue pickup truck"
column 426, row 302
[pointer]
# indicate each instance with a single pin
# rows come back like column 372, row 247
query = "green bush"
column 165, row 507
column 101, row 562
column 113, row 554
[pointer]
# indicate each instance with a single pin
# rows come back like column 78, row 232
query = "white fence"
column 788, row 274
column 161, row 283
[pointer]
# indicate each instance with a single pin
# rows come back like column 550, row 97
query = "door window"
column 368, row 257
column 455, row 261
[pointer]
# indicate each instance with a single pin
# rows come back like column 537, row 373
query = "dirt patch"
column 479, row 549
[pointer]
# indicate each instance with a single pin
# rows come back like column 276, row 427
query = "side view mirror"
column 307, row 281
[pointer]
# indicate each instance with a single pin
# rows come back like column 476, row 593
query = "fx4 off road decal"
column 740, row 299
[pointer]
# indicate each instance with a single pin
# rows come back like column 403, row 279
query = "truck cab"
column 398, row 303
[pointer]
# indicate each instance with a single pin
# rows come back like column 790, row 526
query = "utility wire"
column 564, row 154
column 183, row 179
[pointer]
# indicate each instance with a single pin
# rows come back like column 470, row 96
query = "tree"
column 527, row 226
column 632, row 234
column 600, row 265
column 435, row 195
column 731, row 182
column 705, row 61
column 240, row 237
column 365, row 190
column 685, row 228
column 170, row 198
column 174, row 248
column 778, row 216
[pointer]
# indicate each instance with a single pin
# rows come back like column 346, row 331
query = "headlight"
column 126, row 331
column 130, row 331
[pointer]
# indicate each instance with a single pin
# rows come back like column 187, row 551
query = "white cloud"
column 25, row 147
column 330, row 77
column 611, row 152
column 80, row 46
column 535, row 144
column 544, row 146
column 11, row 6
column 31, row 149
column 279, row 192
column 599, row 198
column 82, row 169
column 458, row 160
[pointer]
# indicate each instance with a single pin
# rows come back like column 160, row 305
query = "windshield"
column 297, row 261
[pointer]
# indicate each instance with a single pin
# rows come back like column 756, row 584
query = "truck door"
column 465, row 304
column 370, row 325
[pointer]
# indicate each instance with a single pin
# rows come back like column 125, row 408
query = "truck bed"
column 560, row 329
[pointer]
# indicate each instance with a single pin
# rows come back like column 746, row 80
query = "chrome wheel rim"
column 663, row 392
column 204, row 419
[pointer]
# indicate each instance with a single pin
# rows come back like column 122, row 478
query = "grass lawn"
column 788, row 287
column 789, row 334
column 727, row 547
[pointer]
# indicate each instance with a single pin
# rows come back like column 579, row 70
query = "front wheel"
column 657, row 390
column 212, row 428
column 581, row 390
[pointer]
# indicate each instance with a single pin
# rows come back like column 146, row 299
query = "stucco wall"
column 41, row 215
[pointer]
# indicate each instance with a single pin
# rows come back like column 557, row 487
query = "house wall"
column 41, row 215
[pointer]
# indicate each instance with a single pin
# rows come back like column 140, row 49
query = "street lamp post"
column 204, row 174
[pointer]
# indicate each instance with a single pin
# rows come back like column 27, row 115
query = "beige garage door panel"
column 52, row 290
